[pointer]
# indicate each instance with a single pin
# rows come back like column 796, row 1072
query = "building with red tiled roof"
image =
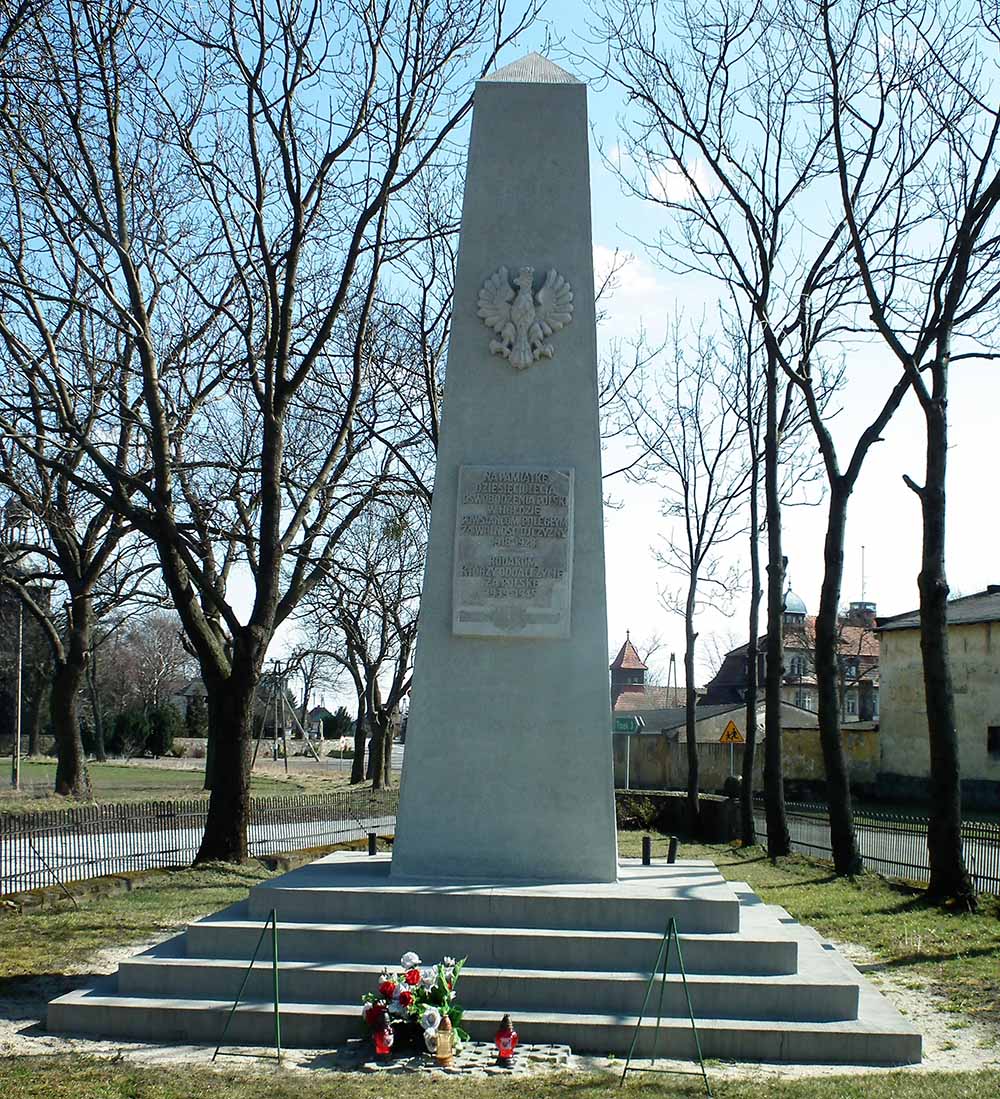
column 857, row 647
column 629, row 691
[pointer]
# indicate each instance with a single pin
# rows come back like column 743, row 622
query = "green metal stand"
column 272, row 922
column 660, row 967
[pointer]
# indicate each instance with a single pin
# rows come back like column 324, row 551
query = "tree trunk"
column 209, row 754
column 96, row 708
column 72, row 779
column 690, row 638
column 749, row 751
column 71, row 764
column 387, row 756
column 376, row 760
column 230, row 746
column 35, row 720
column 774, row 792
column 949, row 878
column 360, row 730
column 843, row 843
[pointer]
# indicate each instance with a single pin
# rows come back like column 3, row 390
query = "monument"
column 508, row 769
column 505, row 839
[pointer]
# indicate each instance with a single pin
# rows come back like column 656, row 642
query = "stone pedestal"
column 508, row 770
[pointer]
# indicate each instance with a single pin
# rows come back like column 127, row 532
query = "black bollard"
column 672, row 850
column 373, row 843
column 647, row 850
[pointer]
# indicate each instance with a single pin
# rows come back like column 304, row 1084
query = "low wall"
column 666, row 811
column 655, row 761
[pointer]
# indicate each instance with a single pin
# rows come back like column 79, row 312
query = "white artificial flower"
column 431, row 1018
column 449, row 962
column 409, row 960
column 428, row 976
column 395, row 1009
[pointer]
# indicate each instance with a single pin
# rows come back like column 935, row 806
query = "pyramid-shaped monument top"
column 532, row 69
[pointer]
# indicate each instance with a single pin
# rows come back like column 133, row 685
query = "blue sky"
column 884, row 515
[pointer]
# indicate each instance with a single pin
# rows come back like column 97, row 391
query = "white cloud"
column 672, row 183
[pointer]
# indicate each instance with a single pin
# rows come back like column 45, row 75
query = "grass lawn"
column 957, row 955
column 951, row 953
column 88, row 1078
column 119, row 782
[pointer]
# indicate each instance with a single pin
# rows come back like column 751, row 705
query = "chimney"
column 861, row 614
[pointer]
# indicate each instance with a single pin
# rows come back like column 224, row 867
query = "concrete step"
column 877, row 1041
column 337, row 890
column 160, row 973
column 233, row 935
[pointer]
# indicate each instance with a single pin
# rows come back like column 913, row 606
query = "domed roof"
column 793, row 604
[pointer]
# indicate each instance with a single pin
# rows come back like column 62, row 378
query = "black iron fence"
column 892, row 844
column 90, row 841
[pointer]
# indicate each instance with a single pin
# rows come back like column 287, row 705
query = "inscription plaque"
column 513, row 572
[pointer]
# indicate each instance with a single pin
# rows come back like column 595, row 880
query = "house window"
column 803, row 699
column 993, row 741
column 852, row 669
column 852, row 705
column 797, row 666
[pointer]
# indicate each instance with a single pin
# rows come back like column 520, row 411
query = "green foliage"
column 165, row 723
column 338, row 724
column 129, row 733
column 196, row 717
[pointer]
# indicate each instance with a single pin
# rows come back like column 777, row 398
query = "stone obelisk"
column 508, row 772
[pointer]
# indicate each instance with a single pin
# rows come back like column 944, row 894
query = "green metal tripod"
column 660, row 967
column 272, row 922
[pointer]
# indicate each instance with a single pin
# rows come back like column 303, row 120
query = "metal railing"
column 892, row 844
column 90, row 841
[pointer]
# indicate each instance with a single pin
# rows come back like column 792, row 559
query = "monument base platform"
column 569, row 963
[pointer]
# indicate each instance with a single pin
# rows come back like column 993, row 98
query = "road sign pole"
column 628, row 752
column 731, row 771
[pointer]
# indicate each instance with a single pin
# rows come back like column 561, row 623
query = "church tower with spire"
column 628, row 672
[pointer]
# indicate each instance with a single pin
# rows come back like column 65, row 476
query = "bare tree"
column 223, row 187
column 684, row 420
column 916, row 122
column 722, row 133
column 375, row 596
column 71, row 566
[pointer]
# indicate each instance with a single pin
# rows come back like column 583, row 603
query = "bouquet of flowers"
column 416, row 993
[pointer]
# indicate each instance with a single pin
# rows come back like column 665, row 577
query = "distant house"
column 857, row 649
column 629, row 692
column 974, row 652
column 314, row 721
column 182, row 698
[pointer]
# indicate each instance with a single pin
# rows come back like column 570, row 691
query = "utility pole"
column 15, row 762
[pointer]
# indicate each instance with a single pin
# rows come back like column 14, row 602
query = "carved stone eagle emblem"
column 524, row 320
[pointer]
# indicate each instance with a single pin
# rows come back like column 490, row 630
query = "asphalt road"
column 27, row 863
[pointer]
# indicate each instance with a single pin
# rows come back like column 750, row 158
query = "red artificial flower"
column 375, row 1016
column 450, row 986
column 413, row 976
column 405, row 997
column 387, row 989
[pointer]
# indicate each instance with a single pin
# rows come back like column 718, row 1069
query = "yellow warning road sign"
column 731, row 735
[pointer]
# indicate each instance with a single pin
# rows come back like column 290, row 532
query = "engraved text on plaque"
column 513, row 552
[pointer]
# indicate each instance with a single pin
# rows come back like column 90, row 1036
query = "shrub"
column 165, row 723
column 196, row 717
column 129, row 732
